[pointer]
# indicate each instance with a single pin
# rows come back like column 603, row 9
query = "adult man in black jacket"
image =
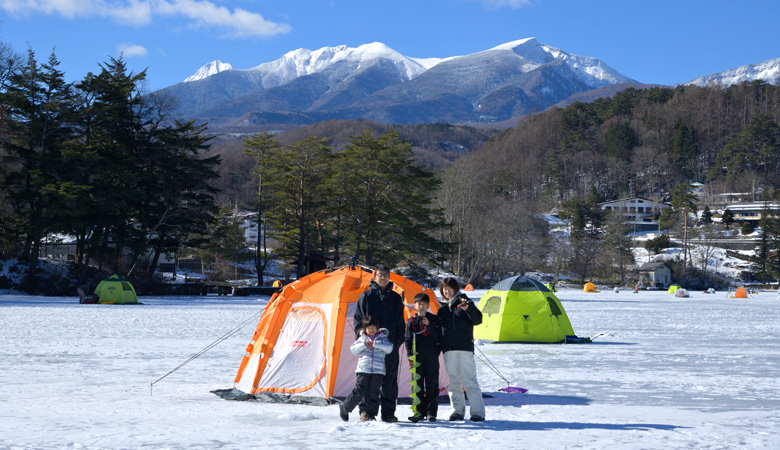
column 382, row 302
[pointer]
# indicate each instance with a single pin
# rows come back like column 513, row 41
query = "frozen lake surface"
column 699, row 373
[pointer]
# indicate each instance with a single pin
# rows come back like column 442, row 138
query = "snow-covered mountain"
column 591, row 70
column 301, row 62
column 208, row 70
column 769, row 71
column 376, row 82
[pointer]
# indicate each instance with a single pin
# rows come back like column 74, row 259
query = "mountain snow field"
column 662, row 373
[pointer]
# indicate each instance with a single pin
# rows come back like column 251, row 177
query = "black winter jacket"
column 457, row 326
column 387, row 306
column 427, row 337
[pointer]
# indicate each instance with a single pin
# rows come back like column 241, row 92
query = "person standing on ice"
column 371, row 348
column 387, row 307
column 422, row 333
column 459, row 315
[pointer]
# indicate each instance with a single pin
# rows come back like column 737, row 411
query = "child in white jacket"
column 371, row 347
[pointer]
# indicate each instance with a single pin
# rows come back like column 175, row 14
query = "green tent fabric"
column 115, row 289
column 521, row 309
column 673, row 288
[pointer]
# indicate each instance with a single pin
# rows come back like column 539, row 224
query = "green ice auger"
column 415, row 376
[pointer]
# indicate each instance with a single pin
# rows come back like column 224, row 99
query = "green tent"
column 115, row 289
column 673, row 288
column 521, row 309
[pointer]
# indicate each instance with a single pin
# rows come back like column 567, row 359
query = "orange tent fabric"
column 301, row 344
column 468, row 287
column 589, row 287
column 741, row 293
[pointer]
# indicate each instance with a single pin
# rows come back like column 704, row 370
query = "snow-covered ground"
column 700, row 372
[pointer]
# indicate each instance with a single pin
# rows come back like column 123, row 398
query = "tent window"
column 126, row 286
column 554, row 310
column 492, row 306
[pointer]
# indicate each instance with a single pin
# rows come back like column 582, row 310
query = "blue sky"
column 660, row 41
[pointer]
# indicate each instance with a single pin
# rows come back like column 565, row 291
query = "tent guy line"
column 207, row 348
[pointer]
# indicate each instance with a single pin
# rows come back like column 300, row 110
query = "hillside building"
column 655, row 274
column 640, row 213
column 751, row 212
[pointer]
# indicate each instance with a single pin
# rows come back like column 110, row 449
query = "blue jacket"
column 371, row 360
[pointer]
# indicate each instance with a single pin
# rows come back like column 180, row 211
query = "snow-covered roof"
column 651, row 266
column 753, row 206
column 630, row 200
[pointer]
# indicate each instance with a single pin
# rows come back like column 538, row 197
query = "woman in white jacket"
column 371, row 347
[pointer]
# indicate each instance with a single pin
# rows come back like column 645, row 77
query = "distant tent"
column 551, row 286
column 468, row 287
column 589, row 287
column 683, row 293
column 299, row 352
column 741, row 292
column 521, row 309
column 673, row 288
column 115, row 289
column 277, row 283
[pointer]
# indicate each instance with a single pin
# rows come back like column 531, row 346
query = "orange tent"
column 468, row 287
column 301, row 344
column 741, row 292
column 589, row 287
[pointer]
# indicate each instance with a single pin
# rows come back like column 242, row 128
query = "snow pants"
column 428, row 384
column 365, row 393
column 462, row 370
column 389, row 391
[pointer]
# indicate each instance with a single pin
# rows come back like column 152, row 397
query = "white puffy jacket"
column 371, row 360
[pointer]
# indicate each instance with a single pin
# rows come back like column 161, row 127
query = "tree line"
column 109, row 164
column 371, row 202
column 641, row 142
column 104, row 162
column 100, row 161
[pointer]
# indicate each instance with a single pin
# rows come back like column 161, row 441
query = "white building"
column 636, row 211
column 655, row 274
column 751, row 212
column 247, row 221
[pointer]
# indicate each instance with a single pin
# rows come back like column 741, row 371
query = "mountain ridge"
column 375, row 82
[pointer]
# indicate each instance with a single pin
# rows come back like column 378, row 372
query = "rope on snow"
column 207, row 348
column 508, row 388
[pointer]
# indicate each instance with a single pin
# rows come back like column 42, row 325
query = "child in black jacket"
column 424, row 328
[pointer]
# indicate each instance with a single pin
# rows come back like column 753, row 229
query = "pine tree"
column 728, row 218
column 619, row 244
column 299, row 210
column 38, row 102
column 261, row 146
column 761, row 254
column 388, row 200
column 684, row 203
column 706, row 216
column 619, row 140
column 684, row 150
column 756, row 147
column 141, row 181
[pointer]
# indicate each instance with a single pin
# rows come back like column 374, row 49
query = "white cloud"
column 236, row 23
column 239, row 22
column 131, row 50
